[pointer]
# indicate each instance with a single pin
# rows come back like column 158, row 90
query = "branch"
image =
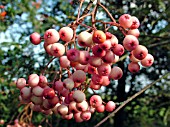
column 47, row 66
column 131, row 98
column 157, row 44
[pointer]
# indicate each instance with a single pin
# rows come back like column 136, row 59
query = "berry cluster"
column 89, row 59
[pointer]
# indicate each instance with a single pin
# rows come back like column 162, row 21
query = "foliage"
column 19, row 59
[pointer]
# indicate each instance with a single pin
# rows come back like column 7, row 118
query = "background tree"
column 19, row 58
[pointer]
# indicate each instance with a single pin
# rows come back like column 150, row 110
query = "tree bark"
column 120, row 116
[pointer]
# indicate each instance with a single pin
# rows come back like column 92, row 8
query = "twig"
column 107, row 12
column 157, row 44
column 131, row 98
column 47, row 65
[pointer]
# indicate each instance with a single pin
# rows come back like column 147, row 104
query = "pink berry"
column 80, row 67
column 134, row 32
column 85, row 39
column 64, row 62
column 62, row 109
column 58, row 86
column 73, row 54
column 21, row 82
column 133, row 67
column 91, row 69
column 108, row 35
column 37, row 91
column 51, row 36
column 57, row 49
column 84, row 57
column 79, row 76
column 77, row 117
column 98, row 37
column 53, row 101
column 95, row 61
column 106, row 45
column 106, row 81
column 125, row 21
column 66, row 34
column 72, row 107
column 135, row 23
column 25, row 92
column 95, row 86
column 132, row 58
column 68, row 83
column 33, row 80
column 86, row 115
column 116, row 73
column 65, row 92
column 79, row 96
column 109, row 57
column 97, row 79
column 95, row 100
column 140, row 52
column 110, row 106
column 42, row 81
column 83, row 106
column 68, row 117
column 100, row 108
column 104, row 69
column 114, row 41
column 147, row 61
column 118, row 49
column 35, row 38
column 130, row 42
column 97, row 51
column 47, row 48
column 48, row 93
column 36, row 100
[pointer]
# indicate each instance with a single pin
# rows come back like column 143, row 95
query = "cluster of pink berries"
column 61, row 98
column 17, row 124
column 99, row 52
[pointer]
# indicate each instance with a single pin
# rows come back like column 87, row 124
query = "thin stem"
column 110, row 15
column 131, row 98
column 47, row 66
column 81, row 3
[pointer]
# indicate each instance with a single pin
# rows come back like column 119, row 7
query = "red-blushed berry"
column 135, row 22
column 133, row 67
column 140, row 52
column 98, row 37
column 83, row 106
column 110, row 106
column 68, row 83
column 147, row 61
column 62, row 109
column 78, row 96
column 35, row 38
column 48, row 93
column 57, row 49
column 64, row 62
column 77, row 117
column 100, row 108
column 95, row 100
column 86, row 115
column 66, row 34
column 125, row 20
column 116, row 73
column 130, row 42
column 79, row 76
column 20, row 83
column 118, row 49
column 85, row 39
column 51, row 36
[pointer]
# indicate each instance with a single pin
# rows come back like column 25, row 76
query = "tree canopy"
column 20, row 58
